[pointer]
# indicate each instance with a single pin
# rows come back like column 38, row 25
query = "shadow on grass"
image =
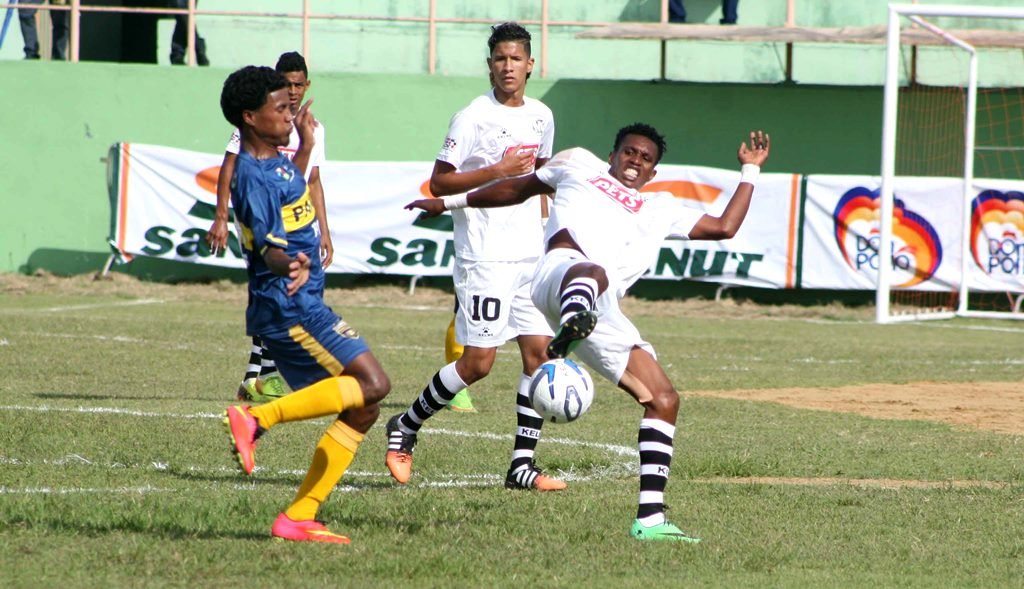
column 290, row 481
column 163, row 529
column 88, row 397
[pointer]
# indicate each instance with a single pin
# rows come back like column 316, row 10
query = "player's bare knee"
column 473, row 367
column 588, row 270
column 664, row 402
column 533, row 361
column 376, row 385
column 361, row 419
column 601, row 277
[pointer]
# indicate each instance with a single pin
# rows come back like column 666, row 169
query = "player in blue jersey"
column 261, row 381
column 324, row 360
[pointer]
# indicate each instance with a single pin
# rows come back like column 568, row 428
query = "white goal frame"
column 914, row 13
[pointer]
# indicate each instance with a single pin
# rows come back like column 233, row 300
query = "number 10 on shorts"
column 486, row 308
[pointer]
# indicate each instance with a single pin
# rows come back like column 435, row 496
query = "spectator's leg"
column 27, row 20
column 179, row 40
column 201, row 58
column 676, row 11
column 729, row 12
column 60, row 34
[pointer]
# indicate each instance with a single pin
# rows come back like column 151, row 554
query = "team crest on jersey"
column 343, row 329
column 629, row 199
column 538, row 126
column 284, row 173
column 532, row 149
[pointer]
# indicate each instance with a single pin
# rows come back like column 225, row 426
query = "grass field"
column 115, row 469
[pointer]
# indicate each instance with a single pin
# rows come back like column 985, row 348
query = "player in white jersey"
column 501, row 134
column 602, row 234
column 261, row 381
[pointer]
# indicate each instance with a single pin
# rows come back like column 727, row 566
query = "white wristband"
column 456, row 201
column 749, row 172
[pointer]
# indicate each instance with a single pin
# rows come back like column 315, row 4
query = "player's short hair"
column 292, row 62
column 644, row 130
column 506, row 32
column 247, row 89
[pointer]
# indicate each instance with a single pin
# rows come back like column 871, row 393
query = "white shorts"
column 608, row 347
column 494, row 303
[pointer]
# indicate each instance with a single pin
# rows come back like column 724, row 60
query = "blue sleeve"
column 259, row 209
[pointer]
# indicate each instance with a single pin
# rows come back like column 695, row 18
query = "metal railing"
column 76, row 8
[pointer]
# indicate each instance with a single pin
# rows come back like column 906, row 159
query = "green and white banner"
column 164, row 201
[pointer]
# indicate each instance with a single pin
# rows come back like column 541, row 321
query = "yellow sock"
column 334, row 454
column 330, row 396
column 452, row 349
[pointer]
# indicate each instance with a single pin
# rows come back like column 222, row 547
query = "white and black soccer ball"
column 561, row 390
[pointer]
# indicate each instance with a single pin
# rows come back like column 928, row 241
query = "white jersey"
column 479, row 136
column 616, row 227
column 316, row 158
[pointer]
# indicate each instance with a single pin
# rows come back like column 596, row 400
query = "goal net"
column 952, row 197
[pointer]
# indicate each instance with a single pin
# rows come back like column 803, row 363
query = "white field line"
column 103, row 305
column 440, row 481
column 87, row 306
column 935, row 324
column 416, row 308
column 80, row 490
column 970, row 327
column 124, row 339
column 612, row 448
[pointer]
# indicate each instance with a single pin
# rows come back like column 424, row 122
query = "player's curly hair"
column 644, row 130
column 247, row 89
column 292, row 62
column 509, row 31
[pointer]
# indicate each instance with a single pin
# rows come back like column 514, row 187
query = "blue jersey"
column 273, row 209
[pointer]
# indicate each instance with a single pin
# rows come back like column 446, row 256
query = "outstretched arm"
column 445, row 180
column 726, row 226
column 500, row 194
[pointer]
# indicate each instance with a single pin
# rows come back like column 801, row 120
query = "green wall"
column 374, row 46
column 62, row 119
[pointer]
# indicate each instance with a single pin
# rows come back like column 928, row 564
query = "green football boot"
column 663, row 531
column 271, row 387
column 462, row 402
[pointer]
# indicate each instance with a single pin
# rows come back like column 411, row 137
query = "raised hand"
column 757, row 152
column 305, row 122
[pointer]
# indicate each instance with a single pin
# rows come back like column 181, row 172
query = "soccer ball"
column 561, row 390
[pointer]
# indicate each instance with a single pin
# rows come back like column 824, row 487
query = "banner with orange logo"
column 841, row 234
column 165, row 198
column 764, row 251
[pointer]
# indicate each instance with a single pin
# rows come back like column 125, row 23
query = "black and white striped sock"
column 655, row 442
column 528, row 424
column 579, row 295
column 255, row 359
column 267, row 365
column 441, row 390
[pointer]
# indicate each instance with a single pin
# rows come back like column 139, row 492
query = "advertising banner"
column 165, row 198
column 841, row 234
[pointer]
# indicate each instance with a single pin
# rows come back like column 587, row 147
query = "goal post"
column 904, row 292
